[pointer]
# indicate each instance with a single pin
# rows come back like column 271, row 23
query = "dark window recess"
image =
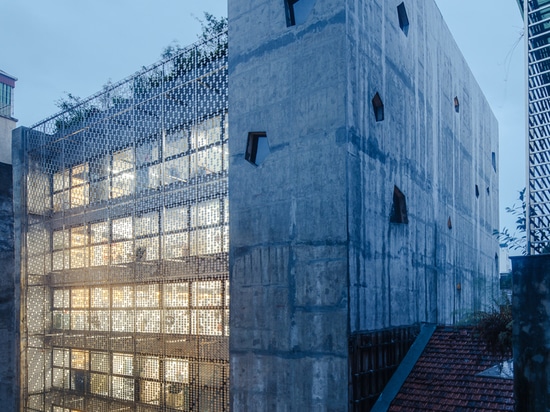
column 477, row 191
column 257, row 148
column 449, row 223
column 494, row 160
column 378, row 107
column 488, row 191
column 297, row 11
column 457, row 105
column 403, row 18
column 399, row 207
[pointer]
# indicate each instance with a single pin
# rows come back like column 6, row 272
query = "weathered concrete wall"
column 423, row 270
column 314, row 256
column 9, row 342
column 288, row 280
column 6, row 127
column 531, row 332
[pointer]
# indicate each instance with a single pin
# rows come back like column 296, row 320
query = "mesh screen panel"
column 125, row 267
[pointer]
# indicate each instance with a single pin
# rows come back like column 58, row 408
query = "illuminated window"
column 123, row 179
column 176, row 294
column 71, row 188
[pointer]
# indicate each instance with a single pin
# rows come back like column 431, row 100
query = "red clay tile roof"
column 444, row 377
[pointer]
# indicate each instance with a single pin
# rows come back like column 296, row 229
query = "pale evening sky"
column 59, row 46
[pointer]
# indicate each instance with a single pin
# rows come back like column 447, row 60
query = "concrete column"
column 531, row 332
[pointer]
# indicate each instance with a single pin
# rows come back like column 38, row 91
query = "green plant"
column 495, row 329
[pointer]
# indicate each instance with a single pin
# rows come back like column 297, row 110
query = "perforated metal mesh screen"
column 125, row 271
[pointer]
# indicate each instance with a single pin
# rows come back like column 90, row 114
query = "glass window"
column 175, row 218
column 122, row 252
column 123, row 297
column 147, row 249
column 61, row 298
column 122, row 320
column 176, row 142
column 177, row 245
column 147, row 224
column 176, row 370
column 122, row 228
column 99, row 384
column 147, row 296
column 148, row 321
column 176, row 294
column 100, row 297
column 61, row 357
column 123, row 364
column 123, row 160
column 79, row 359
column 176, row 321
column 206, row 322
column 99, row 320
column 148, row 367
column 208, row 293
column 205, row 213
column 206, row 241
column 79, row 320
column 207, row 132
column 147, row 152
column 99, row 232
column 123, row 388
column 80, row 298
column 100, row 362
column 123, row 185
column 177, row 170
column 207, row 161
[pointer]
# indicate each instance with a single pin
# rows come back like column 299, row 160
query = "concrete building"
column 121, row 211
column 530, row 274
column 363, row 194
column 7, row 121
column 373, row 206
column 9, row 301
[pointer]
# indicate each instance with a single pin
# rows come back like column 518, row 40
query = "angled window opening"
column 297, row 11
column 403, row 18
column 257, row 148
column 378, row 107
column 494, row 160
column 457, row 104
column 399, row 207
column 477, row 191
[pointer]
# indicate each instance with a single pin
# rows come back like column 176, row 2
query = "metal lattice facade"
column 537, row 15
column 125, row 258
